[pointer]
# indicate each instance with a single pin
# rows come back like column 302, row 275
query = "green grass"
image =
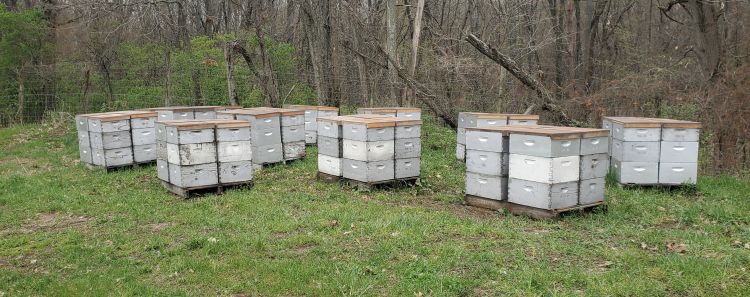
column 65, row 230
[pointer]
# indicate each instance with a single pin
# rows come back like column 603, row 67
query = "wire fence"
column 77, row 88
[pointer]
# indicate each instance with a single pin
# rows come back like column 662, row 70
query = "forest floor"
column 66, row 230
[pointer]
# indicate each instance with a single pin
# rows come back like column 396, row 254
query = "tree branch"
column 548, row 102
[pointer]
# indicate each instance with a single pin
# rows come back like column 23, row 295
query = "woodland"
column 569, row 61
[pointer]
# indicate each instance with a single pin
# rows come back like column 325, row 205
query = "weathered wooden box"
column 294, row 150
column 235, row 172
column 233, row 151
column 594, row 166
column 189, row 176
column 486, row 140
column 635, row 172
column 330, row 146
column 112, row 157
column 191, row 153
column 110, row 140
column 330, row 165
column 546, row 145
column 591, row 190
column 679, row 152
column 487, row 163
column 522, row 119
column 635, row 151
column 369, row 131
column 368, row 150
column 408, row 129
column 487, row 186
column 407, row 168
column 311, row 136
column 374, row 171
column 544, row 169
column 144, row 153
column 292, row 133
column 408, row 148
column 671, row 173
column 542, row 195
column 644, row 131
column 176, row 113
column 267, row 154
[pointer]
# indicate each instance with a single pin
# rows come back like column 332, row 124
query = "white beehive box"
column 265, row 133
column 110, row 140
column 542, row 195
column 486, row 186
column 374, row 171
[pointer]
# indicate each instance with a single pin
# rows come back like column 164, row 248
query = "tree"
column 22, row 42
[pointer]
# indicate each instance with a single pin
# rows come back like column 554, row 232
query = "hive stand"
column 534, row 213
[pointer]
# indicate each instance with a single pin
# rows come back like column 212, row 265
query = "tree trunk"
column 415, row 49
column 707, row 36
column 85, row 91
column 195, row 74
column 311, row 37
column 327, row 62
column 231, row 84
column 168, row 78
column 21, row 94
column 557, row 28
column 390, row 47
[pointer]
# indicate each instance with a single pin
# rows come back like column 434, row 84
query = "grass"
column 65, row 230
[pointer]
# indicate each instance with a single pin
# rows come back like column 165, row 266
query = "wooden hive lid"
column 377, row 109
column 207, row 108
column 523, row 117
column 585, row 132
column 336, row 119
column 223, row 123
column 370, row 116
column 110, row 116
column 371, row 122
column 407, row 122
column 258, row 112
column 138, row 114
column 636, row 122
column 328, row 108
column 171, row 108
column 553, row 132
column 679, row 124
column 190, row 124
column 506, row 130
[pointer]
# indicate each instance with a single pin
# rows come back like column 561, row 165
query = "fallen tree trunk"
column 548, row 102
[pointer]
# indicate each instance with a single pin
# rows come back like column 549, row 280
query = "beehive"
column 370, row 148
column 400, row 112
column 312, row 113
column 481, row 119
column 653, row 151
column 265, row 130
column 542, row 167
column 205, row 153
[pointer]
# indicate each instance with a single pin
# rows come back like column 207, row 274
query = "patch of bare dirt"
column 25, row 166
column 157, row 227
column 49, row 222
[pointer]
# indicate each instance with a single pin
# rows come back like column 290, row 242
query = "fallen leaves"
column 679, row 248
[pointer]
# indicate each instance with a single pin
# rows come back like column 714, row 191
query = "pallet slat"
column 535, row 213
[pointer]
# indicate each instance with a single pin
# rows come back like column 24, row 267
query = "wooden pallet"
column 533, row 212
column 203, row 190
column 664, row 186
column 290, row 161
column 328, row 177
column 109, row 169
column 379, row 184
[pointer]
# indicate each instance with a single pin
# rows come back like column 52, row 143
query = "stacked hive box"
column 487, row 163
column 544, row 168
column 106, row 140
column 479, row 119
column 265, row 130
column 292, row 133
column 651, row 151
column 399, row 112
column 330, row 144
column 143, row 133
column 204, row 154
column 312, row 113
column 170, row 113
column 380, row 149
